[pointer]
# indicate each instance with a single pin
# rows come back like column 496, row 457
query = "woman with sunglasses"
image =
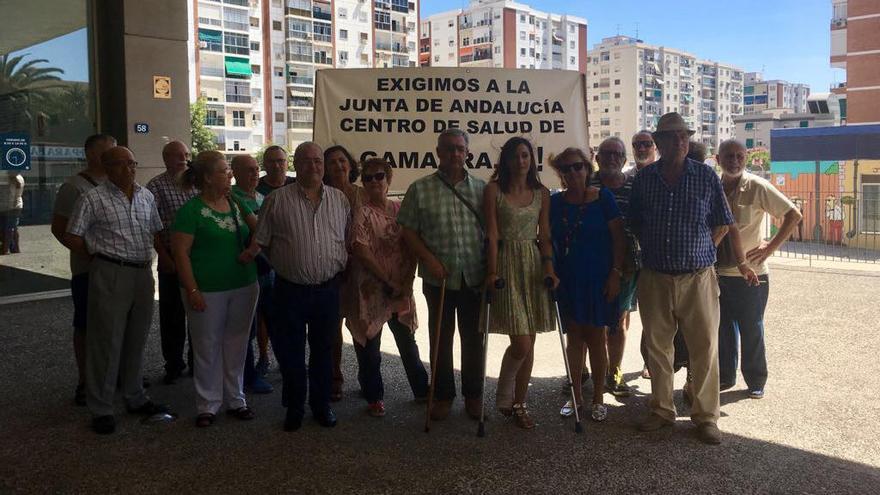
column 588, row 251
column 380, row 278
column 341, row 172
column 517, row 210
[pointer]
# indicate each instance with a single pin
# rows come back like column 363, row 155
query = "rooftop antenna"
column 637, row 30
column 618, row 30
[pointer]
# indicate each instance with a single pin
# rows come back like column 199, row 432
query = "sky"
column 69, row 53
column 784, row 39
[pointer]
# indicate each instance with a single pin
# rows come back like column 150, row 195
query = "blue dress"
column 582, row 254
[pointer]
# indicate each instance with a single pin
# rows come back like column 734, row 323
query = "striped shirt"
column 674, row 225
column 114, row 226
column 170, row 196
column 621, row 197
column 305, row 243
column 447, row 227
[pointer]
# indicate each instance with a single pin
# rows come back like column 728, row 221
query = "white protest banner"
column 396, row 114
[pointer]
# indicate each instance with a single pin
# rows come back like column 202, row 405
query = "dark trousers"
column 264, row 308
column 465, row 304
column 305, row 312
column 172, row 323
column 742, row 315
column 370, row 362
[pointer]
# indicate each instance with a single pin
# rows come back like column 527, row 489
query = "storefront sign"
column 15, row 151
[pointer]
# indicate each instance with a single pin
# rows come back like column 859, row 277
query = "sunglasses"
column 577, row 166
column 371, row 177
column 643, row 144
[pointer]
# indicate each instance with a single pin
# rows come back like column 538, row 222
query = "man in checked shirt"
column 116, row 224
column 679, row 214
column 170, row 196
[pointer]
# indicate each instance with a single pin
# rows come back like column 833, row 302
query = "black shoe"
column 146, row 383
column 104, row 425
column 149, row 408
column 326, row 418
column 79, row 397
column 292, row 421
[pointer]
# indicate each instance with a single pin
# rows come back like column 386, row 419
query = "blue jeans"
column 264, row 308
column 742, row 315
column 298, row 307
column 370, row 360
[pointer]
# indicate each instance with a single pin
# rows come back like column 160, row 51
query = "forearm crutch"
column 548, row 282
column 499, row 284
column 436, row 347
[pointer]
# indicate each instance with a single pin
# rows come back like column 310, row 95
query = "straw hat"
column 672, row 122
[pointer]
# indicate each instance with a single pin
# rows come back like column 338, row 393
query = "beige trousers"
column 690, row 303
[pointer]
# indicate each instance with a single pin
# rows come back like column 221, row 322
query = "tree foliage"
column 203, row 138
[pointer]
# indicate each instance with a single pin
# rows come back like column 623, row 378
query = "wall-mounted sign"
column 780, row 180
column 141, row 128
column 15, row 151
column 162, row 87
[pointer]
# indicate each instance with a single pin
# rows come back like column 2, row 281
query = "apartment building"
column 256, row 60
column 855, row 48
column 501, row 33
column 760, row 95
column 630, row 84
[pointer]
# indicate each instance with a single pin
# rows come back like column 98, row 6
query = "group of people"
column 288, row 261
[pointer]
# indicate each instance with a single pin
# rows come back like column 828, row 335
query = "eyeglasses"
column 127, row 163
column 643, row 144
column 577, row 166
column 378, row 176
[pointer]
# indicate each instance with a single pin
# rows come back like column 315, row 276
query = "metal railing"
column 836, row 226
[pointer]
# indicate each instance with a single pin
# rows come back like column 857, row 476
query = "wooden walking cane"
column 436, row 357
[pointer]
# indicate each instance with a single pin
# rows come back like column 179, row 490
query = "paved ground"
column 816, row 432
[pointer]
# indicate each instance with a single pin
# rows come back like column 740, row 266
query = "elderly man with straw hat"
column 678, row 211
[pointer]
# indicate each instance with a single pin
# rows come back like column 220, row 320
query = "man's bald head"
column 246, row 172
column 175, row 155
column 120, row 165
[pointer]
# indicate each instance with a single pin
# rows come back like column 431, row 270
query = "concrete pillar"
column 134, row 41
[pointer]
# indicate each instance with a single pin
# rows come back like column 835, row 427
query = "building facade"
column 504, row 34
column 256, row 60
column 855, row 48
column 754, row 129
column 760, row 95
column 630, row 84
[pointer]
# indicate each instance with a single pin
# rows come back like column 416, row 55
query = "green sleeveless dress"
column 524, row 306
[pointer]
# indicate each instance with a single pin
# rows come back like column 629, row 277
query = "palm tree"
column 21, row 85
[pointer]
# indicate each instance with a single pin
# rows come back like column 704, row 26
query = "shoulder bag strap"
column 89, row 178
column 464, row 201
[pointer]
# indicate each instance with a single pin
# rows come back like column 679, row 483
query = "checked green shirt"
column 447, row 227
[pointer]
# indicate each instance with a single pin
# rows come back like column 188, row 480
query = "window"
column 436, row 58
column 531, row 52
column 522, row 35
column 750, row 143
column 343, row 34
column 279, row 116
column 276, row 25
column 255, row 22
column 255, row 68
column 238, row 118
column 342, row 12
column 236, row 19
column 617, row 82
column 870, row 221
column 278, row 94
column 255, row 46
column 278, row 71
column 522, row 51
column 750, row 126
column 451, row 23
column 343, row 57
column 522, row 18
column 256, row 93
column 572, row 61
column 571, row 44
column 616, row 95
column 236, row 43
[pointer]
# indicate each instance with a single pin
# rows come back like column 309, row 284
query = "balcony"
column 317, row 13
column 301, row 80
column 211, row 71
column 240, row 3
column 299, row 12
column 233, row 98
column 215, row 121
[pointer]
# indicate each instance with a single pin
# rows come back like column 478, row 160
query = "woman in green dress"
column 516, row 206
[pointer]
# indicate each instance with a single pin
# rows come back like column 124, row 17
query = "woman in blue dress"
column 588, row 251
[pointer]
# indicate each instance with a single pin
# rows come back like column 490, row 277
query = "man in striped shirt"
column 116, row 224
column 302, row 230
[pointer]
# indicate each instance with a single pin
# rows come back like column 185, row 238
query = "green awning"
column 236, row 66
column 209, row 35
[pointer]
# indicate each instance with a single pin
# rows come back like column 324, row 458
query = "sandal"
column 599, row 412
column 568, row 411
column 243, row 413
column 521, row 415
column 205, row 419
column 376, row 409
